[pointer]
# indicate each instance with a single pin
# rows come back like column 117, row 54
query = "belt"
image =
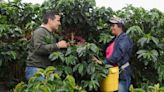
column 125, row 65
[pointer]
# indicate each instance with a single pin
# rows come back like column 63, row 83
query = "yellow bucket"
column 110, row 83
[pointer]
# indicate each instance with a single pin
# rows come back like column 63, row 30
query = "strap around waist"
column 125, row 65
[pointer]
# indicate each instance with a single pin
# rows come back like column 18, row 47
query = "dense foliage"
column 52, row 83
column 17, row 20
column 84, row 26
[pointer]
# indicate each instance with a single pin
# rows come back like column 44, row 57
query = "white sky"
column 119, row 4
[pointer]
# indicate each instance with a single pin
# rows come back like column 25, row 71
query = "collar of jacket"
column 120, row 35
column 113, row 39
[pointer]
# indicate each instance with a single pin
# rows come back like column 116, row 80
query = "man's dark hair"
column 49, row 15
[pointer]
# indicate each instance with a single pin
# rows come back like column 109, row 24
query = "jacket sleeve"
column 118, row 53
column 40, row 45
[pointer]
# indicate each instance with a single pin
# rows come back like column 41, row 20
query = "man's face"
column 54, row 24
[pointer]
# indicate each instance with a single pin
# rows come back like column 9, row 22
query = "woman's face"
column 115, row 29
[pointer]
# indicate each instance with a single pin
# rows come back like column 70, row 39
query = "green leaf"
column 44, row 88
column 36, row 86
column 81, row 68
column 141, row 53
column 56, row 55
column 135, row 32
column 71, row 60
column 81, row 50
column 20, row 87
column 68, row 70
column 12, row 54
column 139, row 90
column 91, row 68
column 49, row 70
column 39, row 74
column 56, row 76
column 17, row 1
column 105, row 38
column 142, row 41
column 151, row 89
column 71, row 80
column 94, row 48
column 90, row 85
column 68, row 51
column 76, row 67
column 155, row 40
column 161, row 89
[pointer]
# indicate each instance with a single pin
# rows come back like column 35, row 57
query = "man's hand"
column 62, row 44
column 96, row 60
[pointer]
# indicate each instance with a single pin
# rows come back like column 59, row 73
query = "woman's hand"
column 96, row 60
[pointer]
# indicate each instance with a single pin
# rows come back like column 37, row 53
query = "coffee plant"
column 52, row 83
column 85, row 26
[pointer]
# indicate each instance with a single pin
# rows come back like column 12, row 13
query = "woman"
column 118, row 52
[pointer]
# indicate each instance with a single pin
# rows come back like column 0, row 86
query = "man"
column 42, row 44
column 118, row 52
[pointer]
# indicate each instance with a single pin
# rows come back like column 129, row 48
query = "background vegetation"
column 84, row 25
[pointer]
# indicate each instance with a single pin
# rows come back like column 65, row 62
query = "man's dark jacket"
column 42, row 44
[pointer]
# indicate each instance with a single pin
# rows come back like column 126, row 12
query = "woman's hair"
column 122, row 26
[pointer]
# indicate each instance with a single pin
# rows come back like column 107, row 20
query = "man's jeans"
column 124, row 85
column 30, row 71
